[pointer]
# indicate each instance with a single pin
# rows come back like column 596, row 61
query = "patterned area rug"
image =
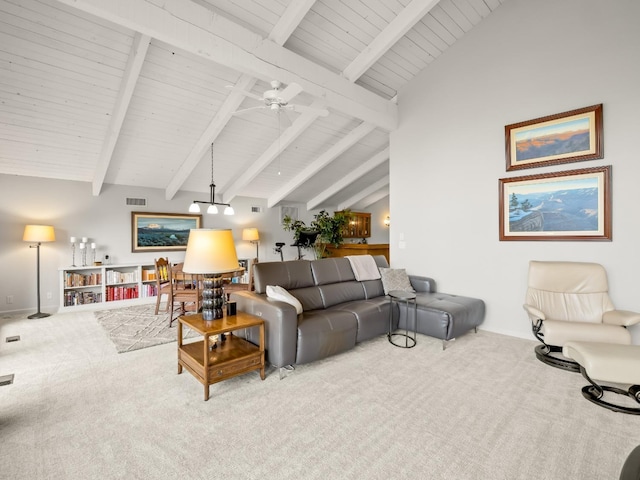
column 137, row 327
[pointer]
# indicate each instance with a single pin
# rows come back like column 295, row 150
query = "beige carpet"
column 136, row 327
column 483, row 409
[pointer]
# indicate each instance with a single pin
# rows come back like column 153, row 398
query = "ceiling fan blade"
column 244, row 92
column 291, row 91
column 251, row 109
column 322, row 112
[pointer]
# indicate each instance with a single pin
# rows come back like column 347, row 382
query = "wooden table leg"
column 205, row 361
column 179, row 345
column 262, row 351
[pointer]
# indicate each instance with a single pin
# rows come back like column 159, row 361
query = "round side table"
column 401, row 296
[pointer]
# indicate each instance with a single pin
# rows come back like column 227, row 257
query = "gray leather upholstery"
column 340, row 311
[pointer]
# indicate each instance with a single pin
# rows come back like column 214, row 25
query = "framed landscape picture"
column 566, row 137
column 161, row 231
column 569, row 205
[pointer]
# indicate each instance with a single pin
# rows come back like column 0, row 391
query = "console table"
column 229, row 358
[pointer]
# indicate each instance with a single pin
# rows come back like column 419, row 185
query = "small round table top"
column 402, row 294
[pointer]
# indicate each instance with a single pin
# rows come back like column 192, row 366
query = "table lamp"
column 251, row 235
column 38, row 234
column 211, row 252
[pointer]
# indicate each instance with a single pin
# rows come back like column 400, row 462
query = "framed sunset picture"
column 566, row 137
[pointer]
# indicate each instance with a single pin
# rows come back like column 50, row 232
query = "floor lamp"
column 251, row 235
column 38, row 234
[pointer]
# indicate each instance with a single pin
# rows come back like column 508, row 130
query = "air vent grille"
column 256, row 209
column 138, row 202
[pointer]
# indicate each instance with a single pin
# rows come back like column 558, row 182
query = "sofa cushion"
column 336, row 293
column 395, row 279
column 289, row 275
column 310, row 298
column 278, row 293
column 331, row 270
column 372, row 315
column 322, row 333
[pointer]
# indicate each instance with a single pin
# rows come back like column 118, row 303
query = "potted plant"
column 328, row 227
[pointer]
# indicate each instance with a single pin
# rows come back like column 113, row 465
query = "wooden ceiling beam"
column 296, row 129
column 393, row 32
column 129, row 79
column 198, row 30
column 322, row 161
column 280, row 33
column 378, row 159
column 374, row 187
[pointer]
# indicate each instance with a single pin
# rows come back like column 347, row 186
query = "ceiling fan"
column 277, row 99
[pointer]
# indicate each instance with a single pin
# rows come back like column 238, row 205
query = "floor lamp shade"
column 38, row 234
column 211, row 253
column 251, row 235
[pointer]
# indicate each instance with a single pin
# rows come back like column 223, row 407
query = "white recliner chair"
column 569, row 301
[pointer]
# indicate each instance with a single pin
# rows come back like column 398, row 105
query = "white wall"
column 527, row 60
column 106, row 220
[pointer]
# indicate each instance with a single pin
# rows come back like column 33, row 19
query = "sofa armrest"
column 624, row 318
column 281, row 326
column 422, row 284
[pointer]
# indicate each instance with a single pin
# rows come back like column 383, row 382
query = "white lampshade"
column 250, row 234
column 212, row 209
column 194, row 208
column 210, row 251
column 228, row 210
column 39, row 233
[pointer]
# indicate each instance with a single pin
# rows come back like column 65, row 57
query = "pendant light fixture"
column 213, row 205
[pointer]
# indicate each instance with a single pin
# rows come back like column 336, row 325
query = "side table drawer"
column 221, row 372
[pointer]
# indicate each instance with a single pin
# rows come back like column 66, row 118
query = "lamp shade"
column 250, row 234
column 39, row 233
column 210, row 251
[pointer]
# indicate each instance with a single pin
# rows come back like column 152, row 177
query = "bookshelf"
column 106, row 286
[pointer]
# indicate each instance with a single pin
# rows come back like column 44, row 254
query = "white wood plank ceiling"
column 134, row 92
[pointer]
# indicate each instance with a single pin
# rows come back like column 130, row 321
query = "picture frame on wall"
column 568, row 205
column 572, row 136
column 161, row 231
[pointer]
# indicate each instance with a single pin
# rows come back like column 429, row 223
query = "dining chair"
column 163, row 282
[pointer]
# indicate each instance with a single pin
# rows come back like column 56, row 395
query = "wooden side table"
column 232, row 357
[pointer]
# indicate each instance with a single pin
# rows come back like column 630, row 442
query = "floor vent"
column 138, row 202
column 256, row 209
column 15, row 338
column 6, row 380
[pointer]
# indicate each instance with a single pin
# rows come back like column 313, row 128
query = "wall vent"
column 14, row 338
column 6, row 380
column 138, row 202
column 256, row 209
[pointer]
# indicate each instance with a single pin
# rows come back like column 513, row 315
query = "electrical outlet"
column 49, row 296
column 9, row 299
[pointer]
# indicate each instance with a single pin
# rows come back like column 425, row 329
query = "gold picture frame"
column 152, row 232
column 572, row 136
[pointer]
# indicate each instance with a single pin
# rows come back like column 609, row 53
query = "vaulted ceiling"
column 135, row 92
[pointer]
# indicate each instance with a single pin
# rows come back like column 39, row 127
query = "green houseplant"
column 329, row 228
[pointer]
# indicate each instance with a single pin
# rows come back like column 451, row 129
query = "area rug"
column 133, row 328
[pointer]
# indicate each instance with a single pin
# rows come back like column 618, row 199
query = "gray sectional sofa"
column 339, row 311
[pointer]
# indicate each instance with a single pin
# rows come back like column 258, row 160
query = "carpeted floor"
column 484, row 409
column 136, row 327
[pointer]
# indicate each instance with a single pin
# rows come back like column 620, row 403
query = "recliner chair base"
column 595, row 392
column 543, row 353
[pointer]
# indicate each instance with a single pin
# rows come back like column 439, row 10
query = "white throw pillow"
column 395, row 279
column 278, row 293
